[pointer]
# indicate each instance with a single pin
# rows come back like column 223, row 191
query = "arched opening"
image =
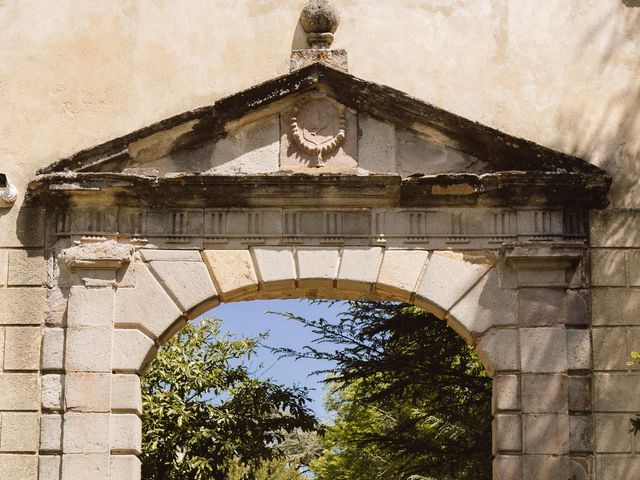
column 420, row 391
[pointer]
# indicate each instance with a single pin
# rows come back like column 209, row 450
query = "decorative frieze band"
column 438, row 228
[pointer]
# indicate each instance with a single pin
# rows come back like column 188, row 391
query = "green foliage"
column 410, row 398
column 206, row 416
column 635, row 422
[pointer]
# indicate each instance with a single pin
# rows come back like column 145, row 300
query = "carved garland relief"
column 318, row 126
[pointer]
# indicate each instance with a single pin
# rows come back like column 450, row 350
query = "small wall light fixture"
column 8, row 192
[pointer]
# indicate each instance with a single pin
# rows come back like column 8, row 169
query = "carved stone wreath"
column 318, row 126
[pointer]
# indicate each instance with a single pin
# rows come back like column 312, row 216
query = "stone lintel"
column 108, row 255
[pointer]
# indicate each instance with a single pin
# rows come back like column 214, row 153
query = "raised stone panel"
column 22, row 348
column 608, row 268
column 317, row 267
column 616, row 392
column 486, row 305
column 612, row 433
column 88, row 349
column 17, row 466
column 53, row 349
column 49, row 467
column 90, row 307
column 506, row 393
column 22, row 306
column 579, row 353
column 437, row 287
column 26, row 267
column 126, row 434
column 615, row 306
column 617, row 467
column 188, row 283
column 546, row 467
column 233, row 272
column 132, row 350
column 88, row 392
column 376, row 145
column 581, row 433
column 20, row 391
column 85, row 466
column 154, row 315
column 615, row 228
column 51, row 433
column 125, row 467
column 53, row 391
column 126, row 394
column 400, row 272
column 507, row 433
column 580, row 393
column 276, row 268
column 633, row 267
column 359, row 268
column 507, row 467
column 20, row 432
column 546, row 434
column 543, row 349
column 86, row 433
column 545, row 393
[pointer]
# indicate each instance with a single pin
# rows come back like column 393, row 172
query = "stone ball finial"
column 320, row 20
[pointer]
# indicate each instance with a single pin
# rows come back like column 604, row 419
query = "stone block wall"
column 615, row 302
column 23, row 305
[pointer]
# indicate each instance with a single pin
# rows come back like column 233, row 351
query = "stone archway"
column 318, row 184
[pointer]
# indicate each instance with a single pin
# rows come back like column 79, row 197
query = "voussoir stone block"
column 543, row 349
column 86, row 433
column 26, row 267
column 400, row 272
column 498, row 350
column 126, row 395
column 88, row 349
column 126, row 433
column 317, row 267
column 132, row 350
column 359, row 268
column 88, row 392
column 486, row 305
column 276, row 267
column 233, row 272
column 85, row 467
column 20, row 391
column 449, row 276
column 18, row 467
column 125, row 467
column 22, row 306
column 20, row 432
column 22, row 348
column 147, row 306
column 90, row 307
column 188, row 282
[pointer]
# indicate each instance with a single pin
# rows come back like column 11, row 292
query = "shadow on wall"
column 608, row 132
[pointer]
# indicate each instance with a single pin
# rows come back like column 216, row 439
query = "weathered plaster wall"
column 565, row 73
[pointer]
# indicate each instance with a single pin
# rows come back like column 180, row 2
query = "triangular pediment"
column 322, row 121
